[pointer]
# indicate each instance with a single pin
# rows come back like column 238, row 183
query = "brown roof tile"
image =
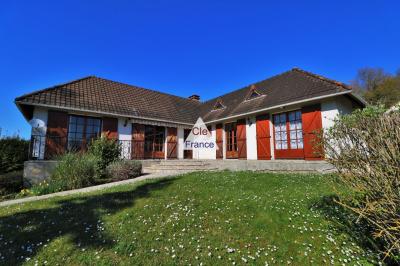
column 102, row 95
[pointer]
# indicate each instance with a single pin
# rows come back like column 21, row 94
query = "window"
column 280, row 131
column 253, row 93
column 288, row 130
column 218, row 105
column 295, row 129
column 81, row 131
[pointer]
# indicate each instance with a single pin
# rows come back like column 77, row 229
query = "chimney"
column 195, row 97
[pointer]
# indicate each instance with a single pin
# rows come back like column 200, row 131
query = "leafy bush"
column 13, row 153
column 365, row 148
column 74, row 170
column 10, row 182
column 121, row 170
column 106, row 151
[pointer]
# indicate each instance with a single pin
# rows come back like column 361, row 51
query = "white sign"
column 200, row 138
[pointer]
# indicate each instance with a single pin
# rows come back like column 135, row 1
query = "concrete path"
column 88, row 189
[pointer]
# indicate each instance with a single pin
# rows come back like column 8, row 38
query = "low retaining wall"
column 37, row 171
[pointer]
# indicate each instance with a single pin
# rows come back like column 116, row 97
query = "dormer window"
column 218, row 105
column 253, row 93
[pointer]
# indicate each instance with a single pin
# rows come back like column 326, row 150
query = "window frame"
column 84, row 141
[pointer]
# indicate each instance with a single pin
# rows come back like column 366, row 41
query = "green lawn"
column 199, row 218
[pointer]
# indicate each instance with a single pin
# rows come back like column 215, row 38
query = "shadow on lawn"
column 77, row 218
column 345, row 221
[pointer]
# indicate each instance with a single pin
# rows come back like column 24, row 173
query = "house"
column 276, row 118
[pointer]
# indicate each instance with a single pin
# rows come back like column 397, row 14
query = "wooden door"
column 219, row 141
column 187, row 154
column 172, row 143
column 231, row 141
column 312, row 129
column 288, row 135
column 137, row 141
column 241, row 139
column 56, row 134
column 154, row 142
column 263, row 137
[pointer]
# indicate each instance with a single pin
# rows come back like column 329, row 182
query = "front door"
column 154, row 142
column 231, row 141
column 288, row 135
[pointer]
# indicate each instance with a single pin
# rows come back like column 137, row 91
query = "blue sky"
column 186, row 47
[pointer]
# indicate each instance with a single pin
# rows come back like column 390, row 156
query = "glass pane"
column 298, row 115
column 283, row 136
column 292, row 116
column 284, row 145
column 79, row 128
column 299, row 134
column 292, row 135
column 300, row 143
column 276, row 119
column 293, row 144
column 80, row 120
column 282, row 117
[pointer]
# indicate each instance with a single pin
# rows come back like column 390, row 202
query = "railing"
column 49, row 147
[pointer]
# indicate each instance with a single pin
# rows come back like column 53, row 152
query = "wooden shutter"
column 137, row 141
column 110, row 127
column 56, row 135
column 219, row 141
column 172, row 143
column 312, row 128
column 263, row 137
column 241, row 138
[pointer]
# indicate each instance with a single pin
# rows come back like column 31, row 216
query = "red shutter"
column 263, row 137
column 241, row 138
column 137, row 141
column 172, row 143
column 219, row 141
column 312, row 127
column 56, row 136
column 110, row 127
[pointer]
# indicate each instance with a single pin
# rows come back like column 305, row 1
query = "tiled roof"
column 290, row 86
column 101, row 95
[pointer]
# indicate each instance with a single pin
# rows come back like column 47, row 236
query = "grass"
column 200, row 218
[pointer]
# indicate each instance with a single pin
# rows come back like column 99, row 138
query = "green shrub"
column 365, row 148
column 106, row 151
column 121, row 170
column 74, row 170
column 13, row 153
column 10, row 182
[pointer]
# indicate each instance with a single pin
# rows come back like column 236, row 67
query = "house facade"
column 277, row 118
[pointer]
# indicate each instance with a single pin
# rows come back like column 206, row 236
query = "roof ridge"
column 53, row 87
column 334, row 82
column 153, row 90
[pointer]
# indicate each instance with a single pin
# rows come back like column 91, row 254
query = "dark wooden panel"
column 137, row 141
column 241, row 139
column 312, row 128
column 219, row 141
column 172, row 143
column 263, row 137
column 110, row 127
column 56, row 135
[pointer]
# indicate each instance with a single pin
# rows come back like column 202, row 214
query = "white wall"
column 39, row 129
column 207, row 154
column 180, row 142
column 334, row 107
column 125, row 136
column 251, row 138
